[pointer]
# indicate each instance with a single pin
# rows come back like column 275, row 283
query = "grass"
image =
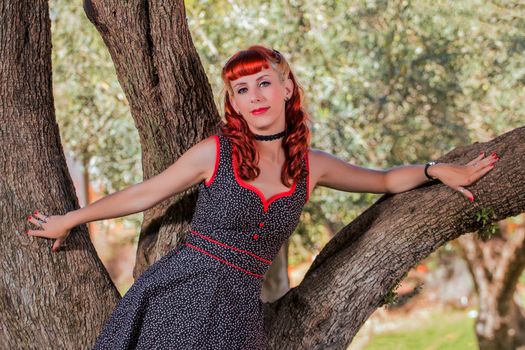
column 443, row 331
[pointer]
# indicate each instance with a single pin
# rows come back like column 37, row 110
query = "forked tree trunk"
column 496, row 266
column 63, row 299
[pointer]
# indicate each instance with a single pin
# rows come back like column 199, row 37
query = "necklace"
column 270, row 137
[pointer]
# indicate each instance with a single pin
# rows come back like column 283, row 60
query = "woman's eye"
column 242, row 89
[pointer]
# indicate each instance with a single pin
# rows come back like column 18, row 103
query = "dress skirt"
column 187, row 300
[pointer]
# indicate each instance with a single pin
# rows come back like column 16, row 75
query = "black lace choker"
column 270, row 137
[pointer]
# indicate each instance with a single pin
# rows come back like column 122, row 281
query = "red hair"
column 297, row 140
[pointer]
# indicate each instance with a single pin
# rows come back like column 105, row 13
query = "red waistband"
column 231, row 256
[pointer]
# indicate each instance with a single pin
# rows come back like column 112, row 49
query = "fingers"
column 493, row 158
column 37, row 233
column 482, row 161
column 57, row 244
column 477, row 159
column 481, row 172
column 482, row 166
column 466, row 193
column 39, row 220
column 40, row 216
column 34, row 220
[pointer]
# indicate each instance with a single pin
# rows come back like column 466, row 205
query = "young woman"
column 254, row 177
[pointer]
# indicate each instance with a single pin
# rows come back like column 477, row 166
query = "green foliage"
column 92, row 112
column 485, row 216
column 391, row 298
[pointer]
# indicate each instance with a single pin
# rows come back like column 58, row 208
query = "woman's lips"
column 260, row 110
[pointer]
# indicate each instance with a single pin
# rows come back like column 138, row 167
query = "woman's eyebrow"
column 262, row 76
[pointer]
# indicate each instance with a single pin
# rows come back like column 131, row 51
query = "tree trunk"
column 47, row 299
column 496, row 266
column 170, row 99
column 276, row 281
column 351, row 276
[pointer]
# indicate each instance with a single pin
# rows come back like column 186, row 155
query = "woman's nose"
column 256, row 97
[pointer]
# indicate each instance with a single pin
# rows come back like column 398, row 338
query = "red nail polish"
column 483, row 153
column 29, row 217
column 36, row 212
column 471, row 199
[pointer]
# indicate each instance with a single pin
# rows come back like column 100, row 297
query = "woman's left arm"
column 453, row 175
column 338, row 174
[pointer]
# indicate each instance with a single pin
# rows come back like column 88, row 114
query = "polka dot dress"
column 205, row 294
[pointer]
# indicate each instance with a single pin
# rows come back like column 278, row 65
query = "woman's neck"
column 271, row 150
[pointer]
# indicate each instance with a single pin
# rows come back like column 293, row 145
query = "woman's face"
column 265, row 92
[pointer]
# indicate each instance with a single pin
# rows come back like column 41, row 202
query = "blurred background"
column 386, row 83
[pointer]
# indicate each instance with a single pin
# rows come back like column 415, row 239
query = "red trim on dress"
column 224, row 261
column 265, row 202
column 217, row 152
column 233, row 248
column 307, row 178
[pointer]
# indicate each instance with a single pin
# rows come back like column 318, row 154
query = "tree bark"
column 46, row 299
column 350, row 277
column 276, row 280
column 496, row 266
column 170, row 98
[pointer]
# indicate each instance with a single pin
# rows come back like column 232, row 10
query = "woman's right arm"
column 195, row 165
column 190, row 169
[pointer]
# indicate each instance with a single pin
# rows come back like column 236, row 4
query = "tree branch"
column 351, row 276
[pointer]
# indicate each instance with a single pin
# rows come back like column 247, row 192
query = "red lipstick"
column 260, row 110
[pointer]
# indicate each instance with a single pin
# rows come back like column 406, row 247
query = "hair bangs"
column 247, row 62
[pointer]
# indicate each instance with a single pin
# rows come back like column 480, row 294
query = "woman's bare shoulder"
column 315, row 159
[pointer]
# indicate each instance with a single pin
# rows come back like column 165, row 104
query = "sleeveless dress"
column 205, row 294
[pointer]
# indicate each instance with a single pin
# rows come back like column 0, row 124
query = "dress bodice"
column 233, row 216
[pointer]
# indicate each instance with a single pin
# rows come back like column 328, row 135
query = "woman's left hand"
column 457, row 176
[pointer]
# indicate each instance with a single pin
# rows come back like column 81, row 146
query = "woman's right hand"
column 55, row 226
